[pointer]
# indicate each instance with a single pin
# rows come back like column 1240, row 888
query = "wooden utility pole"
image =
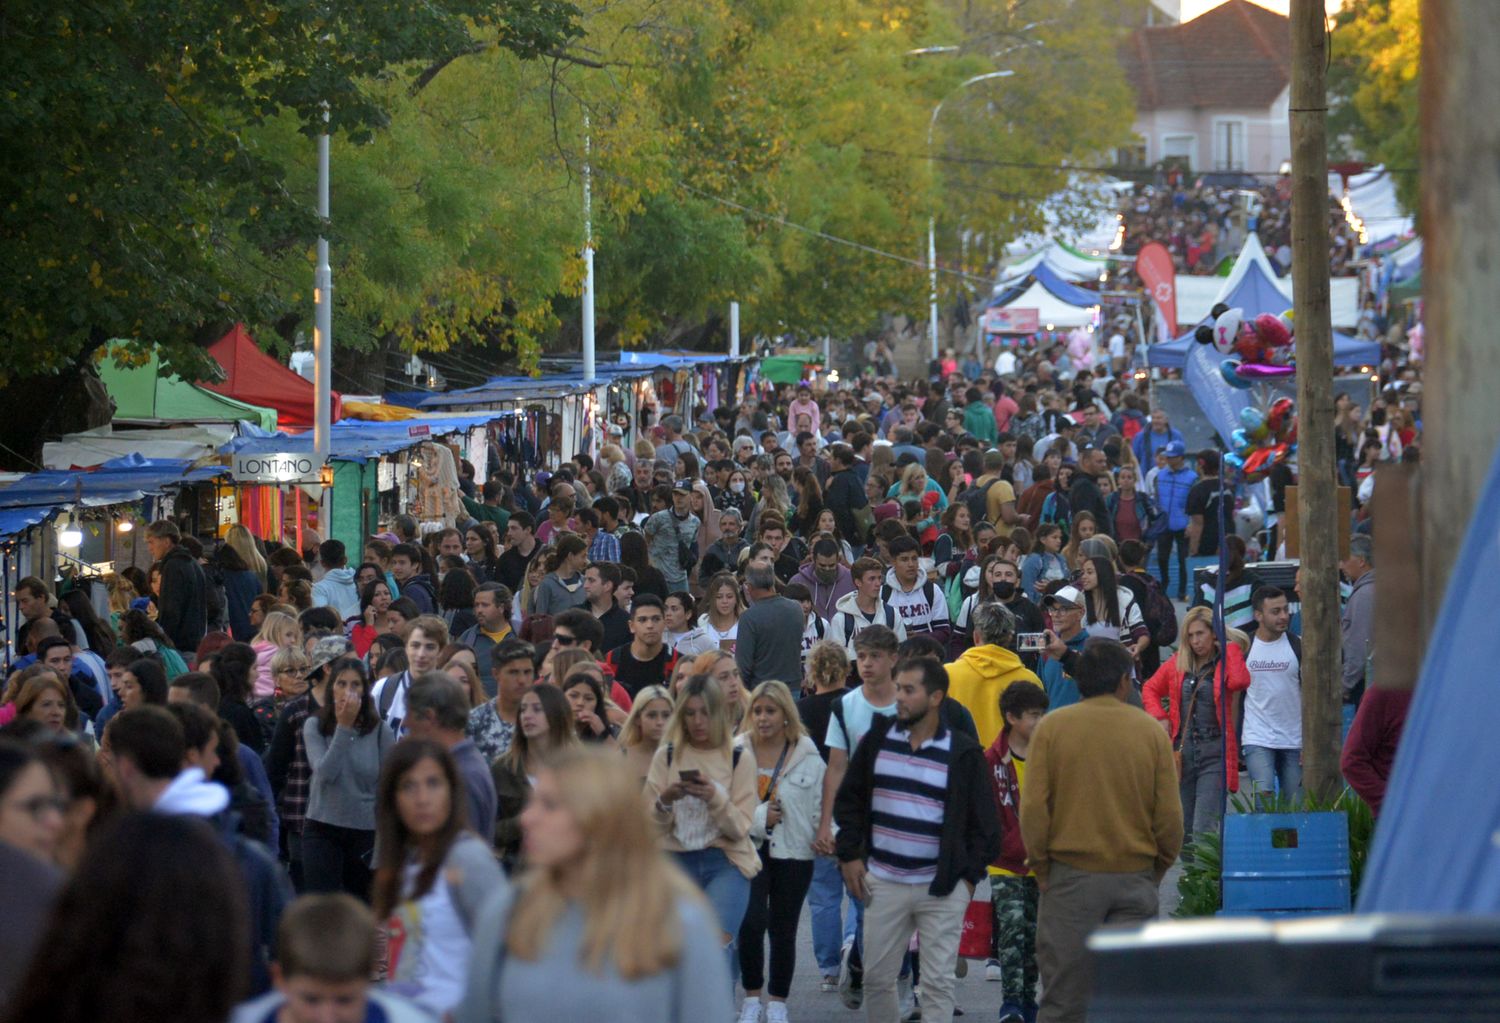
column 1461, row 223
column 1317, row 484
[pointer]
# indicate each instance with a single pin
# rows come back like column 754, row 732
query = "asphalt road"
column 978, row 999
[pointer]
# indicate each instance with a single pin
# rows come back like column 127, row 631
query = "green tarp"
column 142, row 392
column 786, row 369
column 1407, row 290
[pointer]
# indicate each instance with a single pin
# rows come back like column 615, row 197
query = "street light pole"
column 588, row 256
column 932, row 306
column 322, row 312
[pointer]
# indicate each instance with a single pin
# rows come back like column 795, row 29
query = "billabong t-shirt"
column 1273, row 703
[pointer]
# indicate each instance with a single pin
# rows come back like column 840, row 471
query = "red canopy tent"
column 253, row 376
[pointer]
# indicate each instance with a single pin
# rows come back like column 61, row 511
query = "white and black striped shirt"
column 906, row 806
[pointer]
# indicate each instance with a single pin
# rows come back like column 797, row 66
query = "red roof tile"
column 1235, row 56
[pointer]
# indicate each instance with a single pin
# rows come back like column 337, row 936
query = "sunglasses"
column 562, row 639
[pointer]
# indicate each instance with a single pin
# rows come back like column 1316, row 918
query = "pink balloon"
column 1260, row 371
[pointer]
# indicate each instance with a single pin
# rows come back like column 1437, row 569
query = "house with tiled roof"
column 1215, row 90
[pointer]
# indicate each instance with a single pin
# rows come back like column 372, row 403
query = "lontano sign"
column 275, row 468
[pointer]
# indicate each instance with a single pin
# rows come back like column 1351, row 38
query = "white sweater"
column 801, row 790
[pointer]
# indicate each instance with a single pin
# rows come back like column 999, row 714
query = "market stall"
column 250, row 375
column 80, row 526
column 375, row 470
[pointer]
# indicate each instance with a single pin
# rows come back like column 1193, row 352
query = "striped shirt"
column 906, row 807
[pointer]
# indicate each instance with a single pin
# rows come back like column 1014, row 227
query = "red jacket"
column 1167, row 682
column 1007, row 790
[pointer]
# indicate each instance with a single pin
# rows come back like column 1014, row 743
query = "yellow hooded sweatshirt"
column 977, row 679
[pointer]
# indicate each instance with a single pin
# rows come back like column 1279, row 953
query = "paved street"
column 979, row 1000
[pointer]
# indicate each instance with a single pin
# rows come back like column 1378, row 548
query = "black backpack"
column 976, row 499
column 1158, row 612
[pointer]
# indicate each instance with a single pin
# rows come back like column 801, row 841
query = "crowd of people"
column 587, row 753
column 1203, row 222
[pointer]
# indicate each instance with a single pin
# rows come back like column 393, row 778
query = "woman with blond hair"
column 278, row 631
column 601, row 907
column 789, row 782
column 721, row 666
column 1192, row 696
column 243, row 542
column 702, row 794
column 641, row 733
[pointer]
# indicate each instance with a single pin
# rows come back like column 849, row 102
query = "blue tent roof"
column 355, row 440
column 1434, row 849
column 37, row 496
column 1258, row 293
column 1063, row 291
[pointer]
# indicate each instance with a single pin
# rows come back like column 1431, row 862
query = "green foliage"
column 1373, row 84
column 140, row 202
column 161, row 171
column 1199, row 886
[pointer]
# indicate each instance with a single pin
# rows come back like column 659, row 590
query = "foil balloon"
column 1230, row 371
column 1227, row 330
column 1251, row 371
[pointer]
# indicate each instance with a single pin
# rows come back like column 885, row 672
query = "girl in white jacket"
column 789, row 772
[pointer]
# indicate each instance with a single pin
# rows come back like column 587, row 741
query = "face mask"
column 826, row 575
column 738, row 486
column 1004, row 590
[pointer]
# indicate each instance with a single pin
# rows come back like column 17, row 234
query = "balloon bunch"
column 1262, row 348
column 1266, row 437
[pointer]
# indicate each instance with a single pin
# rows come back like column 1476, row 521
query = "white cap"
column 1067, row 595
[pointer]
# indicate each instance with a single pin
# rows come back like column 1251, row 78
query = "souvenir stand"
column 375, row 471
column 99, row 516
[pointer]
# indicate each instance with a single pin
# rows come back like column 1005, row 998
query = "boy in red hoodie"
column 1013, row 890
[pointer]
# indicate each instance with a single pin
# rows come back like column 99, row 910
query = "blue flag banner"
column 1221, row 404
column 1437, row 846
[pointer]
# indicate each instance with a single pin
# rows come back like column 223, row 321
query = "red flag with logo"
column 1154, row 267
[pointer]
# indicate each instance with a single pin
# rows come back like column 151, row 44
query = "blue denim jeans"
column 1269, row 768
column 728, row 892
column 830, row 927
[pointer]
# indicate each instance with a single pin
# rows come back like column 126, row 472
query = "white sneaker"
column 993, row 972
column 776, row 1012
column 906, row 996
column 752, row 1011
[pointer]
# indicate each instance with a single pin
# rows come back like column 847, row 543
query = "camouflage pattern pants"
column 1014, row 900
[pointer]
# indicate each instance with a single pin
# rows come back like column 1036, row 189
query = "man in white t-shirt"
column 875, row 655
column 1005, row 362
column 1272, row 744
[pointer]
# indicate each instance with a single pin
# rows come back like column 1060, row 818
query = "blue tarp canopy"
column 36, row 497
column 1256, row 292
column 356, row 440
column 557, row 384
column 1062, row 290
column 1435, row 848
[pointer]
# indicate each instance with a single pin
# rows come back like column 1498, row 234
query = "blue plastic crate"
column 1283, row 864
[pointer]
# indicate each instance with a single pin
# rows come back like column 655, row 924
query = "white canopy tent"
column 1197, row 295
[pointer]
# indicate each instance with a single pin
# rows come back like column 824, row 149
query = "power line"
column 825, row 236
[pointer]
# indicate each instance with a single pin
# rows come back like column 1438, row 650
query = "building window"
column 1132, row 157
column 1181, row 150
column 1229, row 145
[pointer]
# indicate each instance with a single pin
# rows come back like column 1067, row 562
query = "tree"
column 138, row 204
column 1373, row 84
